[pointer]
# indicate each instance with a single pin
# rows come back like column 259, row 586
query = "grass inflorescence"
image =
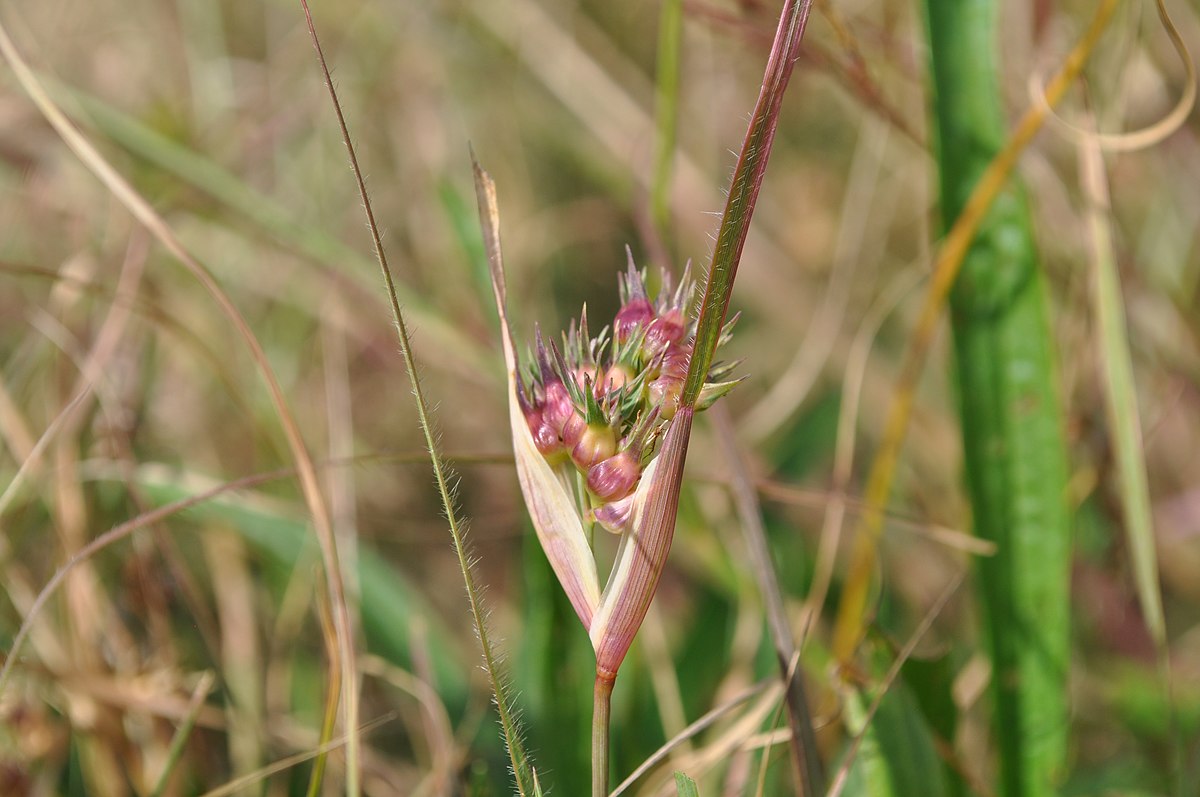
column 940, row 539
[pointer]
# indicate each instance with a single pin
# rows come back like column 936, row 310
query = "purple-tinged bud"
column 573, row 429
column 614, row 477
column 636, row 312
column 544, row 437
column 664, row 394
column 597, row 442
column 665, row 330
column 615, row 516
column 664, row 391
column 557, row 408
column 614, row 378
column 675, row 361
column 546, row 440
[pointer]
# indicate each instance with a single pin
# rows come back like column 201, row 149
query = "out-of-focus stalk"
column 959, row 238
column 1011, row 416
column 666, row 110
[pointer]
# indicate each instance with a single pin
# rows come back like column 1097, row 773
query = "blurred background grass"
column 217, row 114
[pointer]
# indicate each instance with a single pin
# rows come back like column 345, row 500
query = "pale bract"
column 552, row 508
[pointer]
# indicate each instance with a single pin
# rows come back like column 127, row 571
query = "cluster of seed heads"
column 601, row 404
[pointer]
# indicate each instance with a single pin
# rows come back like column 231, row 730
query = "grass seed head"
column 592, row 413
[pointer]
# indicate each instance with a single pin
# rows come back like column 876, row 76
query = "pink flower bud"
column 557, row 408
column 614, row 477
column 664, row 394
column 598, row 442
column 615, row 378
column 573, row 429
column 666, row 330
column 634, row 313
column 675, row 361
column 545, row 438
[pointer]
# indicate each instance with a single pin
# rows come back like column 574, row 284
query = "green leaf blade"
column 685, row 786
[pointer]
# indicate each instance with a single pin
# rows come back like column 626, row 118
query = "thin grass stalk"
column 806, row 763
column 522, row 772
column 852, row 608
column 1120, row 396
column 183, row 732
column 316, row 778
column 1012, row 424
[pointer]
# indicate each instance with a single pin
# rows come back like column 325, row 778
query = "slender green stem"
column 183, row 732
column 600, row 710
column 522, row 771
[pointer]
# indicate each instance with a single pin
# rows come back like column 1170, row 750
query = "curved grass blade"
column 1120, row 397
